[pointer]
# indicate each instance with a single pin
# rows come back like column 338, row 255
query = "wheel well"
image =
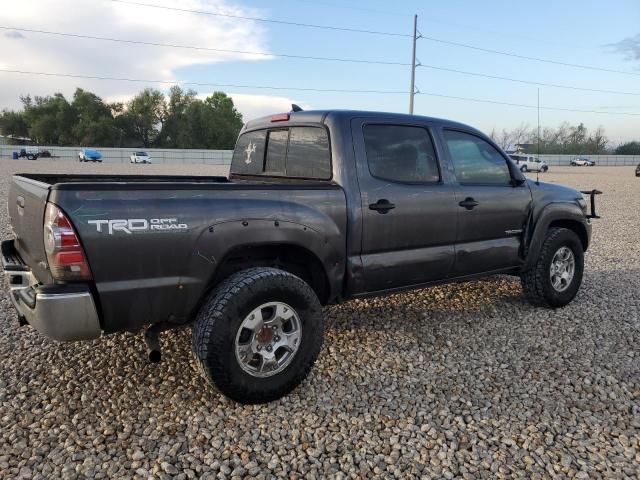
column 291, row 258
column 574, row 226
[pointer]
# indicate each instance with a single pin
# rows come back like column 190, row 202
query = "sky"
column 604, row 35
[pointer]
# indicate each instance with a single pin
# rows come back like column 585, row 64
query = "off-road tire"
column 536, row 281
column 217, row 323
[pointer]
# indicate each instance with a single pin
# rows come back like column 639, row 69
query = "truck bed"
column 147, row 275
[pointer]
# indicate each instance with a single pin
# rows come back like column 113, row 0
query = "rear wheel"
column 553, row 281
column 258, row 334
column 523, row 168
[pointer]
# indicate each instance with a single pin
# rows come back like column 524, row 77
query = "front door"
column 408, row 211
column 492, row 209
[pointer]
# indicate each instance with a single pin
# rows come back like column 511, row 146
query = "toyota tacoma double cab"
column 320, row 207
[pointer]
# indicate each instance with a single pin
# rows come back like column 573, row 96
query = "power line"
column 439, row 21
column 430, row 94
column 200, row 84
column 266, row 20
column 496, row 102
column 525, row 57
column 194, row 47
column 529, row 82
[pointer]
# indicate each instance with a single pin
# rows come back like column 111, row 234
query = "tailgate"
column 27, row 203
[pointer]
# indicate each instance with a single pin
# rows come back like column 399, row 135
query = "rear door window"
column 401, row 153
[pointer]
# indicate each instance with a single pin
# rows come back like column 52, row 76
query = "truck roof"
column 320, row 116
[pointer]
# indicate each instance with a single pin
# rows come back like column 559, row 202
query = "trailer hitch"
column 592, row 194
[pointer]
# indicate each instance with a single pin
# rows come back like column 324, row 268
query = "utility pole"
column 538, row 123
column 412, row 90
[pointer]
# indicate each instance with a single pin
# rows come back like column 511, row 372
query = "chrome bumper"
column 64, row 312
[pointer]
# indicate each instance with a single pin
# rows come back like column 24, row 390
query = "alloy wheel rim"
column 562, row 269
column 268, row 339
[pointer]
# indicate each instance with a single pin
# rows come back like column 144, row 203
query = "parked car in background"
column 89, row 155
column 140, row 157
column 582, row 162
column 638, row 170
column 528, row 163
column 33, row 153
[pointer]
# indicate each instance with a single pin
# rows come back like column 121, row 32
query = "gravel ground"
column 464, row 380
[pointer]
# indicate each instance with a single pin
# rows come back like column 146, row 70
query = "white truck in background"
column 529, row 163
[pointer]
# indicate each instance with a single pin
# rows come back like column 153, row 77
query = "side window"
column 249, row 153
column 475, row 161
column 401, row 153
column 276, row 152
column 308, row 155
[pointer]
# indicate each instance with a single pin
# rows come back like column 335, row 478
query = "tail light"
column 66, row 258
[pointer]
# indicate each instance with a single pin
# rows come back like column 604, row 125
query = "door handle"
column 468, row 203
column 382, row 206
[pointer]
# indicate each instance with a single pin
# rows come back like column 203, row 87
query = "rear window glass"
column 308, row 154
column 295, row 152
column 248, row 156
column 276, row 152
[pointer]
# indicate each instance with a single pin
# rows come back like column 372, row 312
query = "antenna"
column 538, row 169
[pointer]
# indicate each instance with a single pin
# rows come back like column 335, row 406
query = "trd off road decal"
column 133, row 225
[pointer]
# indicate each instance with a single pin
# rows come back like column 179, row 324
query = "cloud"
column 629, row 47
column 47, row 53
column 254, row 106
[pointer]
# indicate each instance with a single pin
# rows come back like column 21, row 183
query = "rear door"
column 492, row 209
column 408, row 211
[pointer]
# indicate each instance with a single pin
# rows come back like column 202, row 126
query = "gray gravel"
column 463, row 380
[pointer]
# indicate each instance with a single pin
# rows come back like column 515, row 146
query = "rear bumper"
column 60, row 312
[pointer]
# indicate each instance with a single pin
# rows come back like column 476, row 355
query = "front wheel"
column 553, row 281
column 523, row 168
column 258, row 334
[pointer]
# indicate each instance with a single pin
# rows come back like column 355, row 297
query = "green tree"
column 146, row 113
column 50, row 119
column 175, row 130
column 13, row 123
column 226, row 121
column 95, row 123
column 629, row 148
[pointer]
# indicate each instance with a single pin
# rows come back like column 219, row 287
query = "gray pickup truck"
column 320, row 207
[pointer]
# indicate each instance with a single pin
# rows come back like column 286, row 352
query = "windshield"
column 141, row 154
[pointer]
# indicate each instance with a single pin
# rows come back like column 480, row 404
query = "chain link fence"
column 601, row 160
column 122, row 155
column 223, row 157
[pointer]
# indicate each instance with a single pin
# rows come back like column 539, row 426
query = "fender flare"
column 563, row 211
column 219, row 239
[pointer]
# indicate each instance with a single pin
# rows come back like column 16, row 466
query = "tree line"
column 565, row 139
column 149, row 119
